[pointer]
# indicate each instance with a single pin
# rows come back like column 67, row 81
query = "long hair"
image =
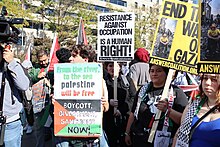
column 202, row 94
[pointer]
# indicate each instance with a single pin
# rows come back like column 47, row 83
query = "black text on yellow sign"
column 184, row 46
column 173, row 65
column 209, row 68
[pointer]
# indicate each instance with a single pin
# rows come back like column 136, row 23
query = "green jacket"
column 35, row 71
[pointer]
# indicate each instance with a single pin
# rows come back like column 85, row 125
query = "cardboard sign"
column 176, row 41
column 77, row 92
column 209, row 53
column 116, row 36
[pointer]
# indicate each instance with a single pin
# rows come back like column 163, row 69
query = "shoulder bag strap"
column 2, row 91
column 200, row 119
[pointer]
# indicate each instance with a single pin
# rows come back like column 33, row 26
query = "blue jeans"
column 103, row 140
column 63, row 144
column 13, row 133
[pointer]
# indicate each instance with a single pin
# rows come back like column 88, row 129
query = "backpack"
column 25, row 95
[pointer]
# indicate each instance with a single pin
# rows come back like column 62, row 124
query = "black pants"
column 141, row 141
column 30, row 116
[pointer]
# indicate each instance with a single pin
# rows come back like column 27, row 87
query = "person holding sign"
column 145, row 107
column 81, row 55
column 114, row 123
column 201, row 119
column 42, row 79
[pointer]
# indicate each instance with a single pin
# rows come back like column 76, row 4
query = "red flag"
column 53, row 57
column 187, row 88
column 28, row 54
column 193, row 94
column 81, row 38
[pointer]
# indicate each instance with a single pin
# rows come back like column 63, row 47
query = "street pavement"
column 30, row 140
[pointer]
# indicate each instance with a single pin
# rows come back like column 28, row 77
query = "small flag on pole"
column 53, row 57
column 81, row 38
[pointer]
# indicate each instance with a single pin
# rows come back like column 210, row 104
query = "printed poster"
column 176, row 41
column 209, row 53
column 77, row 92
column 116, row 36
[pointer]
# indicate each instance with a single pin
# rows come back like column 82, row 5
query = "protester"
column 29, row 113
column 13, row 79
column 64, row 56
column 40, row 74
column 145, row 107
column 81, row 55
column 115, row 122
column 198, row 127
column 139, row 69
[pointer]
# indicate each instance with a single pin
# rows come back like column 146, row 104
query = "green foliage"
column 66, row 15
column 14, row 10
column 145, row 26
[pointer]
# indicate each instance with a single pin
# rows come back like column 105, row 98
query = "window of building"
column 143, row 7
column 136, row 5
column 136, row 17
column 49, row 12
column 117, row 2
column 102, row 9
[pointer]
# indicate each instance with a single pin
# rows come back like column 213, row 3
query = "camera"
column 8, row 32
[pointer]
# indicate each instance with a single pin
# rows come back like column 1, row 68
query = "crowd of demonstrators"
column 39, row 74
column 138, row 100
column 139, row 68
column 114, row 122
column 200, row 120
column 145, row 107
column 13, row 79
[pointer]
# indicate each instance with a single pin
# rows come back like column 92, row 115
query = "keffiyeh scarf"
column 184, row 130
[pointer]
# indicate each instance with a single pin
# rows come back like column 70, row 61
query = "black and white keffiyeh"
column 141, row 95
column 184, row 130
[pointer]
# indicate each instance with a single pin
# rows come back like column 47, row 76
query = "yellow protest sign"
column 176, row 40
column 209, row 52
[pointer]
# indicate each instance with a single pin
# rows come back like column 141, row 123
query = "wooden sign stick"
column 115, row 83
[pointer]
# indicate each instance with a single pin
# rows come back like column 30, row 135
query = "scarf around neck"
column 184, row 130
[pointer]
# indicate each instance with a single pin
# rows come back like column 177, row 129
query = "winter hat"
column 142, row 55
